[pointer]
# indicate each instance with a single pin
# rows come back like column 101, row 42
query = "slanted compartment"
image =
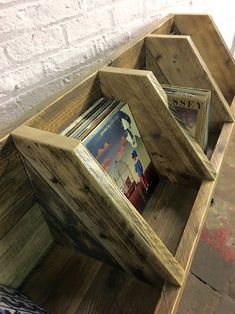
column 175, row 213
column 159, row 245
column 81, row 202
column 187, row 50
column 179, row 62
column 90, row 198
column 211, row 46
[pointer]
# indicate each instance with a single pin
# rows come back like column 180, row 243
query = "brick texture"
column 47, row 44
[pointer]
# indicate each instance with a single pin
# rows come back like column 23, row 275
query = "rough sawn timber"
column 68, row 167
column 162, row 134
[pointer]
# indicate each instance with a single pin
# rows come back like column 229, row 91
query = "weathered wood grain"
column 168, row 210
column 165, row 25
column 23, row 246
column 64, row 110
column 61, row 280
column 152, row 65
column 162, row 134
column 15, row 202
column 134, row 57
column 91, row 287
column 113, row 291
column 170, row 295
column 86, row 188
column 64, row 224
column 212, row 48
column 181, row 63
column 16, row 195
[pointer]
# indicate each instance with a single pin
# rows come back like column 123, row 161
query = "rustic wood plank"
column 166, row 25
column 182, row 65
column 23, row 246
column 63, row 223
column 134, row 57
column 113, row 291
column 146, row 98
column 90, row 286
column 152, row 65
column 64, row 110
column 61, row 280
column 168, row 210
column 212, row 48
column 16, row 195
column 171, row 295
column 86, row 188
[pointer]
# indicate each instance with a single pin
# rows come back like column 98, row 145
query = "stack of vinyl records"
column 109, row 132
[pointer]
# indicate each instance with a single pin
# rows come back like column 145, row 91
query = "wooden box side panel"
column 171, row 295
column 212, row 48
column 24, row 235
column 16, row 195
column 182, row 65
column 173, row 152
column 65, row 226
column 91, row 195
column 61, row 112
column 23, row 246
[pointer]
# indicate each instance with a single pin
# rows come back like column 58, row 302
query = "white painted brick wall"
column 47, row 44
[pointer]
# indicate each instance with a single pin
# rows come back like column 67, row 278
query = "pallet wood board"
column 211, row 46
column 62, row 111
column 63, row 269
column 168, row 210
column 90, row 286
column 166, row 26
column 73, row 173
column 68, row 106
column 16, row 195
column 162, row 140
column 23, row 246
column 64, row 224
column 122, row 293
column 175, row 55
column 133, row 57
column 152, row 65
column 184, row 254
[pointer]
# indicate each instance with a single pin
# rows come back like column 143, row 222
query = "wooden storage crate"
column 95, row 218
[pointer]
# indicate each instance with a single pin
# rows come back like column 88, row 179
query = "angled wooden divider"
column 174, row 153
column 64, row 224
column 90, row 194
column 171, row 295
column 182, row 65
column 211, row 47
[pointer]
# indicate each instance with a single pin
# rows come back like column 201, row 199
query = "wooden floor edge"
column 170, row 295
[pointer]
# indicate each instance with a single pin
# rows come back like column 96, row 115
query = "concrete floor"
column 210, row 287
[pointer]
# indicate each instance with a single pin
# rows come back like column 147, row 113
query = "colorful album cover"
column 192, row 107
column 117, row 145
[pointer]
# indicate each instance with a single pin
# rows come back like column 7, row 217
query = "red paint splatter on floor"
column 217, row 240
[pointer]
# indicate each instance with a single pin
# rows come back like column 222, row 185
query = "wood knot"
column 86, row 188
column 54, row 180
column 103, row 236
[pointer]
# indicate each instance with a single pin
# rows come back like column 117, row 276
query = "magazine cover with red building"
column 117, row 145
